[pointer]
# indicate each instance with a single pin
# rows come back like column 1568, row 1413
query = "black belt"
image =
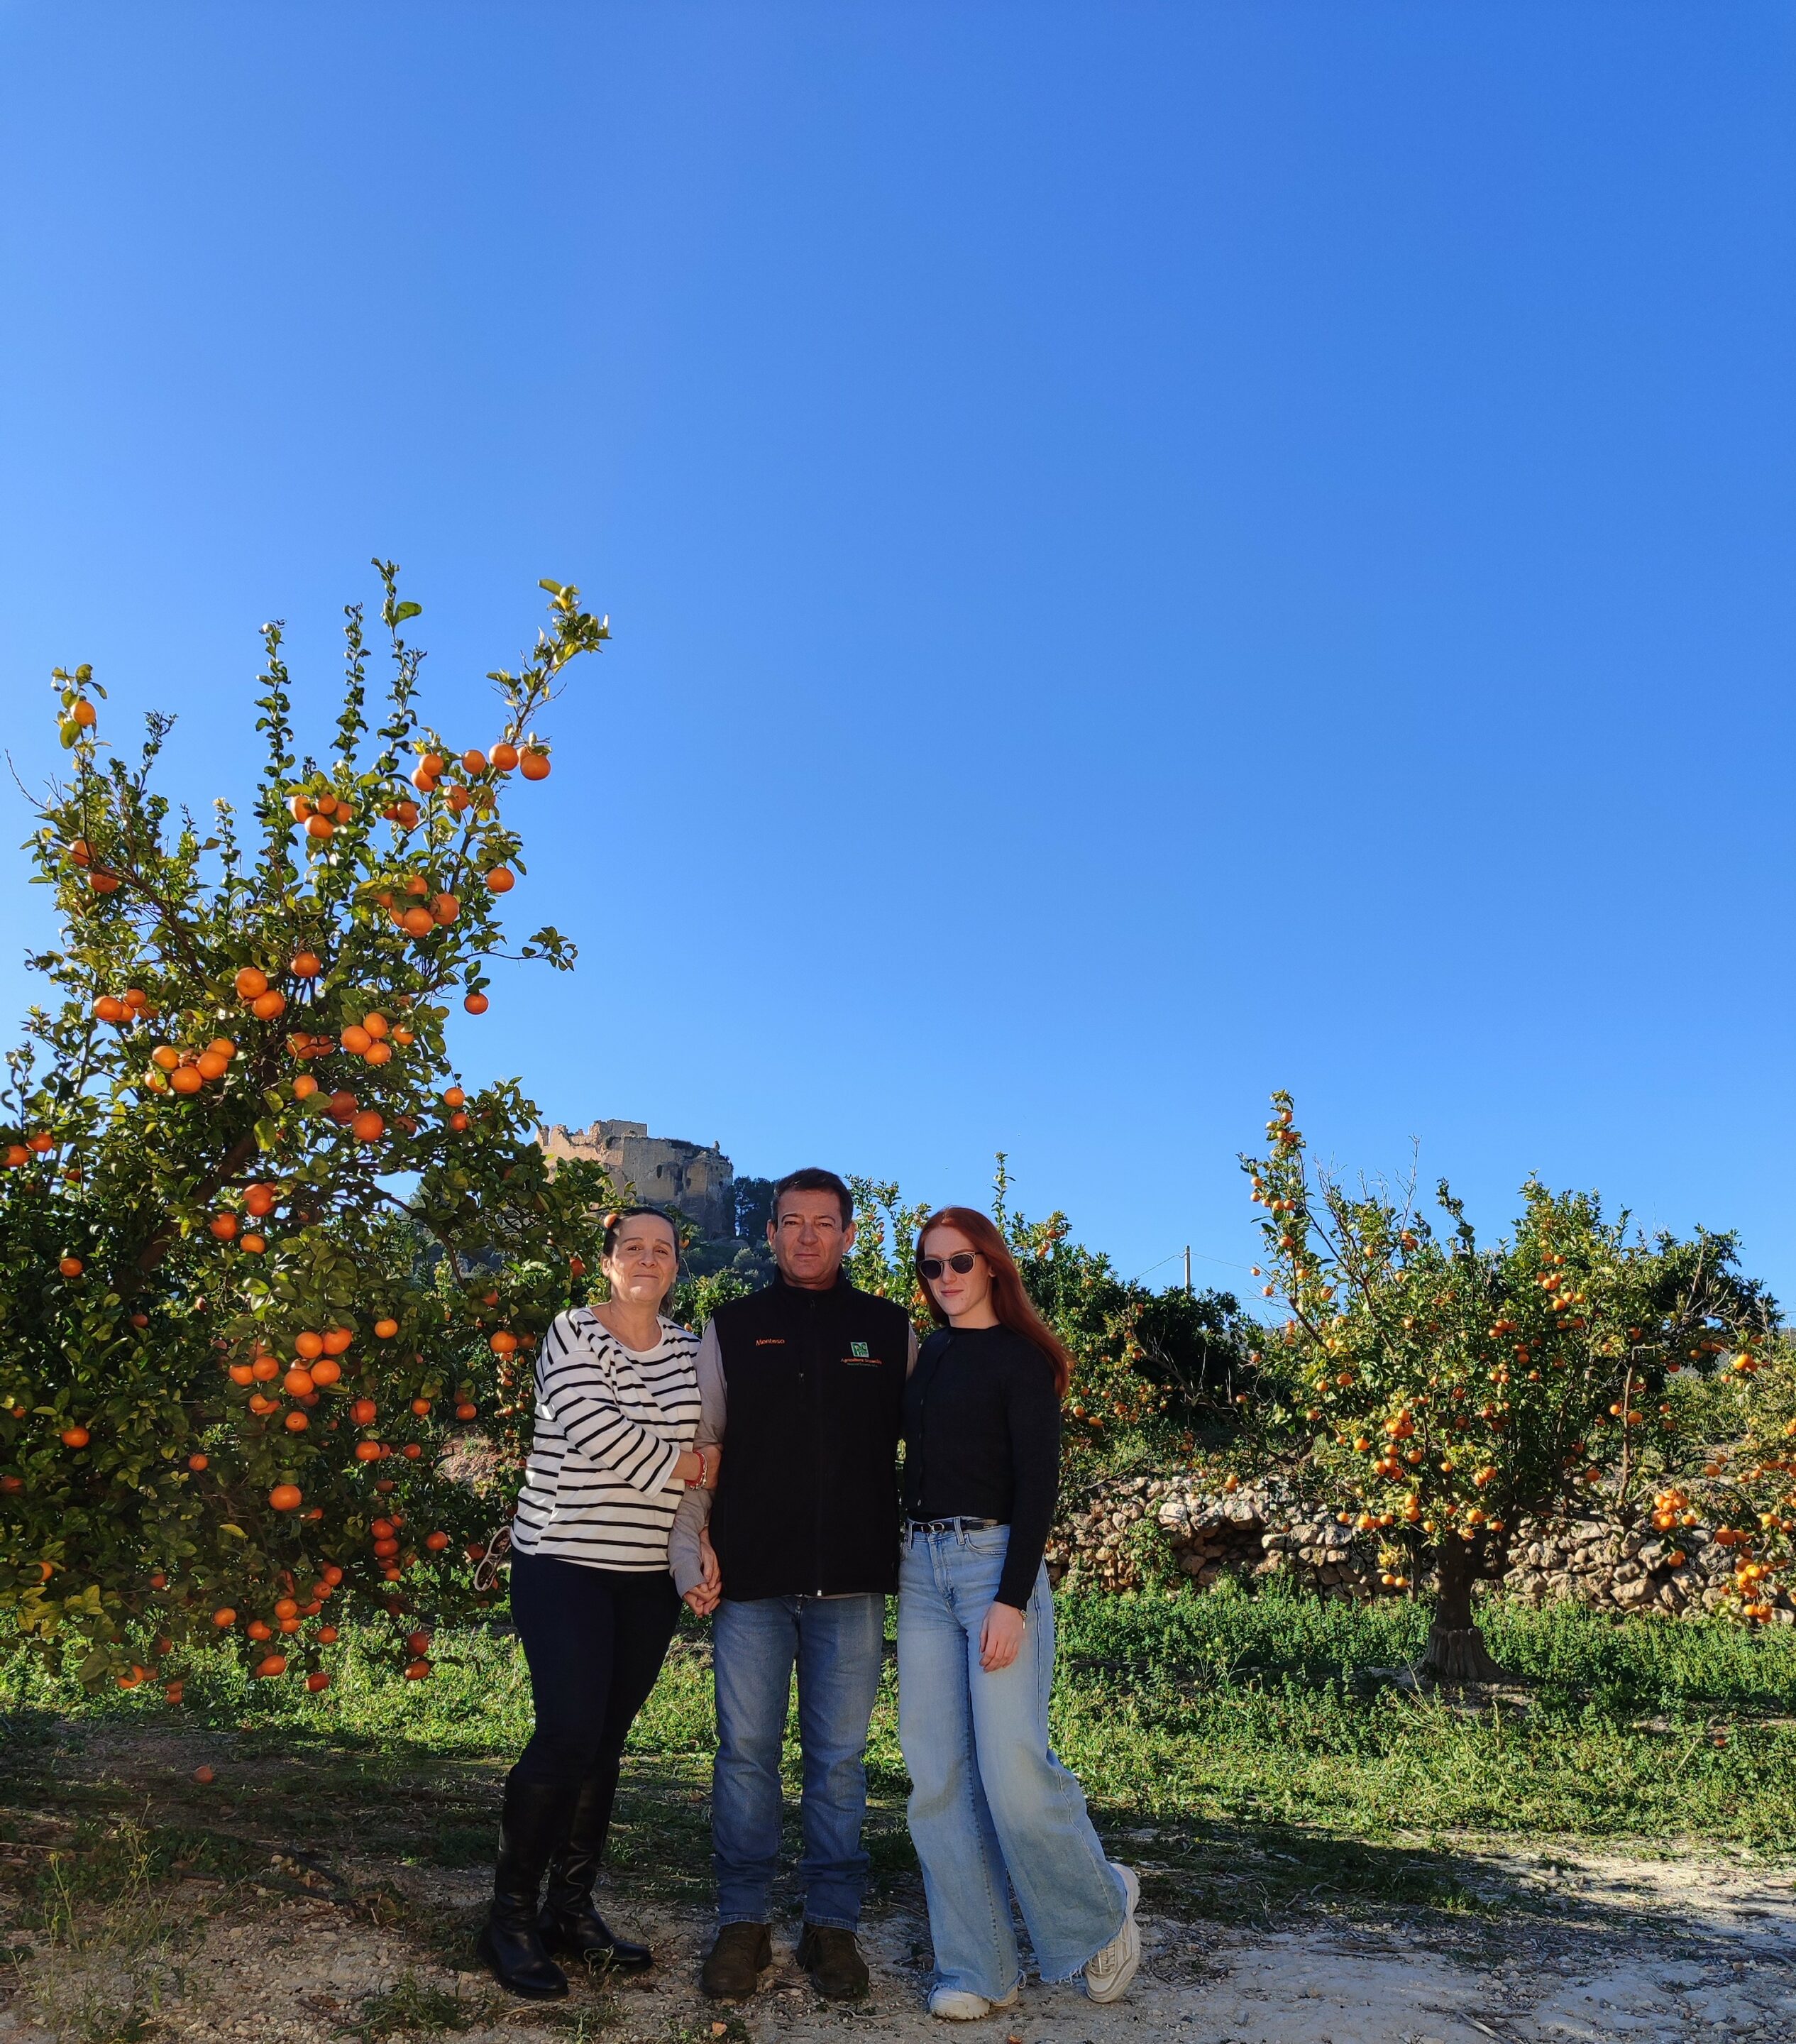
column 953, row 1525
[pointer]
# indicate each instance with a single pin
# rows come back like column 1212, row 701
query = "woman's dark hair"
column 814, row 1180
column 1013, row 1305
column 614, row 1225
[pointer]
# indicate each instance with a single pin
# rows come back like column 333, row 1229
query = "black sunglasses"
column 933, row 1267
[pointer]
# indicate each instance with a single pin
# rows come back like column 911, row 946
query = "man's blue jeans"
column 837, row 1645
column 992, row 1809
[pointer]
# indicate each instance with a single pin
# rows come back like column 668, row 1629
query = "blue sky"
column 1156, row 552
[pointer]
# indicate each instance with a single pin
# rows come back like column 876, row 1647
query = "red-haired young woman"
column 991, row 1810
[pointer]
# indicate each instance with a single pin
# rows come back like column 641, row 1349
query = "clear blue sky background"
column 1157, row 552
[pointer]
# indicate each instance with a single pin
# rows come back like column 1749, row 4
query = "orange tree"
column 266, row 1270
column 1454, row 1387
column 1750, row 1482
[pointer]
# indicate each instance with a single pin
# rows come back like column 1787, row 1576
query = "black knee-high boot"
column 531, row 1826
column 569, row 1923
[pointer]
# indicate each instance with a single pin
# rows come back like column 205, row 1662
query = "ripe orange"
column 267, row 1006
column 71, row 1266
column 454, row 1097
column 433, row 764
column 417, row 1671
column 356, row 1038
column 459, row 1121
column 75, row 1437
column 386, row 1329
column 317, row 1680
column 197, row 1463
column 297, row 1382
column 420, row 1406
column 368, row 1451
column 81, row 852
column 210, row 1065
column 320, row 827
column 83, row 713
column 308, row 1344
column 466, row 1410
column 185, row 1079
column 327, row 1635
column 305, row 1086
column 284, row 1496
column 264, row 1367
column 459, row 798
column 368, row 1127
column 326, row 1371
column 250, row 983
column 425, row 783
column 204, row 1776
column 103, row 883
column 500, row 880
column 223, row 1617
column 108, row 1008
column 241, row 1373
column 417, row 922
column 337, row 1340
column 444, row 908
column 473, row 761
column 258, row 1199
column 504, row 1343
column 476, row 1004
column 436, row 1542
column 224, row 1226
column 272, row 1664
column 536, row 764
column 362, row 1412
column 306, row 965
column 504, row 756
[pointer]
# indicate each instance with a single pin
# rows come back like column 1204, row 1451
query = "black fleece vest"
column 807, row 1500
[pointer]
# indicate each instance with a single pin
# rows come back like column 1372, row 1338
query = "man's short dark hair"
column 812, row 1179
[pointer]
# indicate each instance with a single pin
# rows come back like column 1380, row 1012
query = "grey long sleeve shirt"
column 694, row 1512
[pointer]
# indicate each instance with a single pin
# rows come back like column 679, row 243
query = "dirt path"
column 359, row 1940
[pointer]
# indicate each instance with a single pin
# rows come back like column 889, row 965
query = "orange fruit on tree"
column 71, row 1266
column 368, row 1451
column 224, row 1226
column 420, row 1406
column 436, row 1542
column 444, row 908
column 337, row 1340
column 459, row 1120
column 433, row 764
column 454, row 1097
column 362, row 1412
column 250, row 983
column 504, row 1343
column 185, row 1079
column 271, row 1663
column 320, row 827
column 258, row 1199
column 285, row 1497
column 308, row 1344
column 317, row 1680
column 504, row 755
column 500, row 880
column 264, row 1369
column 306, row 965
column 224, row 1616
column 210, row 1065
column 536, row 765
column 356, row 1038
column 386, row 1329
column 377, row 1054
column 458, row 798
column 108, row 1008
column 75, row 1437
column 476, row 1004
column 425, row 783
column 327, row 1635
column 103, row 883
column 305, row 1086
column 368, row 1127
column 197, row 1463
column 267, row 1006
column 467, row 1410
column 473, row 761
column 298, row 1381
column 326, row 1371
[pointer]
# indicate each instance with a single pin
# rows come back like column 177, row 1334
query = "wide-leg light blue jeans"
column 991, row 1809
column 838, row 1646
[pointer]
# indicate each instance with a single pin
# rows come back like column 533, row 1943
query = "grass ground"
column 1253, row 1756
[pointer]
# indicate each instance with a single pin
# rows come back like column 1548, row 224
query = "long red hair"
column 1012, row 1305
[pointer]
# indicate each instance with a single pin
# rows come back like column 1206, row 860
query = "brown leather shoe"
column 833, row 1960
column 733, row 1966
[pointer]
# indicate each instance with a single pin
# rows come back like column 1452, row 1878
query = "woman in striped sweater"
column 617, row 1404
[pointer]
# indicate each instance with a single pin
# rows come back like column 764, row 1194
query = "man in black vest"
column 803, row 1382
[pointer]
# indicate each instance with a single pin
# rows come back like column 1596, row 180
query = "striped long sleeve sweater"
column 611, row 1424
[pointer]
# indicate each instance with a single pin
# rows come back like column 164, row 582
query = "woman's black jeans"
column 595, row 1640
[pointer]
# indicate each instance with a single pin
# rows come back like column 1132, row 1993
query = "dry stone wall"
column 1139, row 1529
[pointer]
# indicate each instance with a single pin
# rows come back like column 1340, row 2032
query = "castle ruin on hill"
column 660, row 1170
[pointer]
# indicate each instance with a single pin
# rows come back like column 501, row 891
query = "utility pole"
column 1188, row 1269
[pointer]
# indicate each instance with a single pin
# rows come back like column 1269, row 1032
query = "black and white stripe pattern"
column 611, row 1424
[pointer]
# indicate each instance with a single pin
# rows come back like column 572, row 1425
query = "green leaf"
column 402, row 611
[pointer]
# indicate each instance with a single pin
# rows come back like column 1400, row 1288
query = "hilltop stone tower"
column 658, row 1170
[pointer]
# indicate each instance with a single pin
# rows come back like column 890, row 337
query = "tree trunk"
column 1456, row 1652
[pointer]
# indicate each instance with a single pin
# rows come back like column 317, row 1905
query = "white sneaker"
column 955, row 2004
column 1107, row 1975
